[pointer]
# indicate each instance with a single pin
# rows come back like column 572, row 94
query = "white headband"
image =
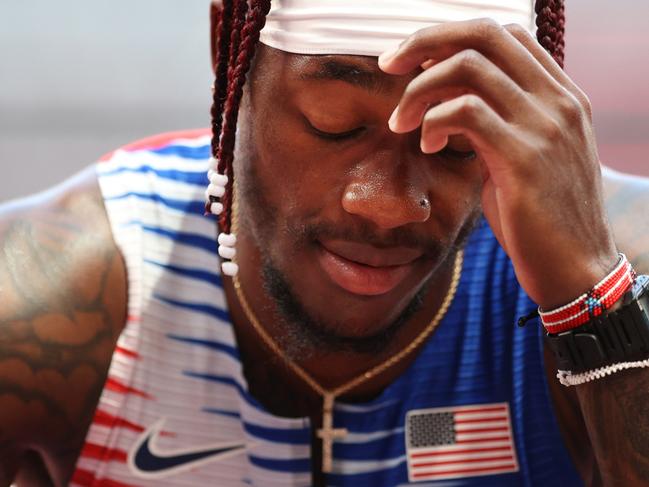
column 369, row 27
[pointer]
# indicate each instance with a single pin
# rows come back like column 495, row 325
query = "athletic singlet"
column 473, row 409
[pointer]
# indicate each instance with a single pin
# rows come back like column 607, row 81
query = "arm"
column 62, row 306
column 616, row 409
column 531, row 129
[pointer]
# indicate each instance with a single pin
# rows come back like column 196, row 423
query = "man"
column 368, row 336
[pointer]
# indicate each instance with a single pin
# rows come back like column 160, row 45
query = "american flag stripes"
column 461, row 441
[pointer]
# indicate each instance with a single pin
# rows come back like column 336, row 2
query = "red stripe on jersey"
column 103, row 453
column 480, row 440
column 102, row 418
column 161, row 140
column 116, row 386
column 464, row 460
column 481, row 420
column 450, row 452
column 487, row 409
column 158, row 141
column 86, row 478
column 481, row 430
column 127, row 352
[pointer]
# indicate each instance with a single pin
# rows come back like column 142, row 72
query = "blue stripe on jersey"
column 222, row 412
column 202, row 308
column 228, row 381
column 197, row 274
column 201, row 152
column 296, row 465
column 190, row 239
column 384, row 448
column 197, row 178
column 298, row 436
column 210, row 344
column 196, row 207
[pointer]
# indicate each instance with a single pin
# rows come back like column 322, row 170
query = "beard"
column 304, row 334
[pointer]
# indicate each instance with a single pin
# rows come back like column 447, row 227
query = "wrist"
column 573, row 281
column 600, row 298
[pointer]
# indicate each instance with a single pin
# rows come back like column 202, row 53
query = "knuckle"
column 470, row 60
column 585, row 103
column 487, row 29
column 553, row 131
column 518, row 31
column 571, row 108
column 469, row 106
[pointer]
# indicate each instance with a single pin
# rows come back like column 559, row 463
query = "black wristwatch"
column 618, row 336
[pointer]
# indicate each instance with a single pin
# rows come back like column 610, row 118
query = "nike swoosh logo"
column 147, row 460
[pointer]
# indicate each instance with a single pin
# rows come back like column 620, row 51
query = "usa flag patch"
column 460, row 441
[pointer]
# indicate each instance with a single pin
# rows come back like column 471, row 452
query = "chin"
column 320, row 315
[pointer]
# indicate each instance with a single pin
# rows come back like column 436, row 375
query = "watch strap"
column 617, row 336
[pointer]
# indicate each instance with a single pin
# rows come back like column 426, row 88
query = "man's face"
column 349, row 218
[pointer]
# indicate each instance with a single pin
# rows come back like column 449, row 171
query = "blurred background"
column 79, row 78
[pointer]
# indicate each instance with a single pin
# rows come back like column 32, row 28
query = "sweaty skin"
column 63, row 282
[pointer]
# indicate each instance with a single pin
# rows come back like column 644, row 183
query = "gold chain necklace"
column 328, row 433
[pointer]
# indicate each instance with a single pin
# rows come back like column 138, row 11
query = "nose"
column 385, row 200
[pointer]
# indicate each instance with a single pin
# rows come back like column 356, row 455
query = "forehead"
column 358, row 71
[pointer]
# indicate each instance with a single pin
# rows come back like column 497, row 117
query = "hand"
column 532, row 130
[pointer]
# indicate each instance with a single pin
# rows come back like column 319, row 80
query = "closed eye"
column 334, row 136
column 449, row 153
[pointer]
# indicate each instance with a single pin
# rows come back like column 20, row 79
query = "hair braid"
column 238, row 21
column 551, row 25
column 250, row 29
column 221, row 70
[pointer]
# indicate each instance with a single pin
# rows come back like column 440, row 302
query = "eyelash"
column 446, row 152
column 457, row 155
column 337, row 137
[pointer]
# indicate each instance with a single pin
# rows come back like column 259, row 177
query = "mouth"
column 366, row 270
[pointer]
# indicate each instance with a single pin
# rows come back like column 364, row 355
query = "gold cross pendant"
column 328, row 433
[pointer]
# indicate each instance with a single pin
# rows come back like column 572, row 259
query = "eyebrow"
column 335, row 70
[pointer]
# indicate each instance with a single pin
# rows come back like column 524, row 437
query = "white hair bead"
column 216, row 208
column 214, row 190
column 218, row 179
column 213, row 163
column 227, row 252
column 227, row 239
column 230, row 268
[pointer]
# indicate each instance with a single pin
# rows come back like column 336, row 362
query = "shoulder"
column 627, row 201
column 63, row 294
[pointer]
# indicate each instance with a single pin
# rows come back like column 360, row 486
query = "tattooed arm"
column 616, row 409
column 62, row 306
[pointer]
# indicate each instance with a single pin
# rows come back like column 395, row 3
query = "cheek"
column 455, row 196
column 296, row 176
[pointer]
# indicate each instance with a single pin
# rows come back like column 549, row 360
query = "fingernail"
column 424, row 147
column 427, row 64
column 392, row 122
column 387, row 55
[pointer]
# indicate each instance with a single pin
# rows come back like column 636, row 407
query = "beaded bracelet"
column 592, row 303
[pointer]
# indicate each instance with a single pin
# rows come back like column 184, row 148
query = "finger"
column 530, row 43
column 484, row 35
column 465, row 72
column 469, row 115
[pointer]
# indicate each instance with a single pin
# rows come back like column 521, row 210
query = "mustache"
column 365, row 233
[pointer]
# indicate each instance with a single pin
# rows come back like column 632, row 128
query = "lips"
column 366, row 270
